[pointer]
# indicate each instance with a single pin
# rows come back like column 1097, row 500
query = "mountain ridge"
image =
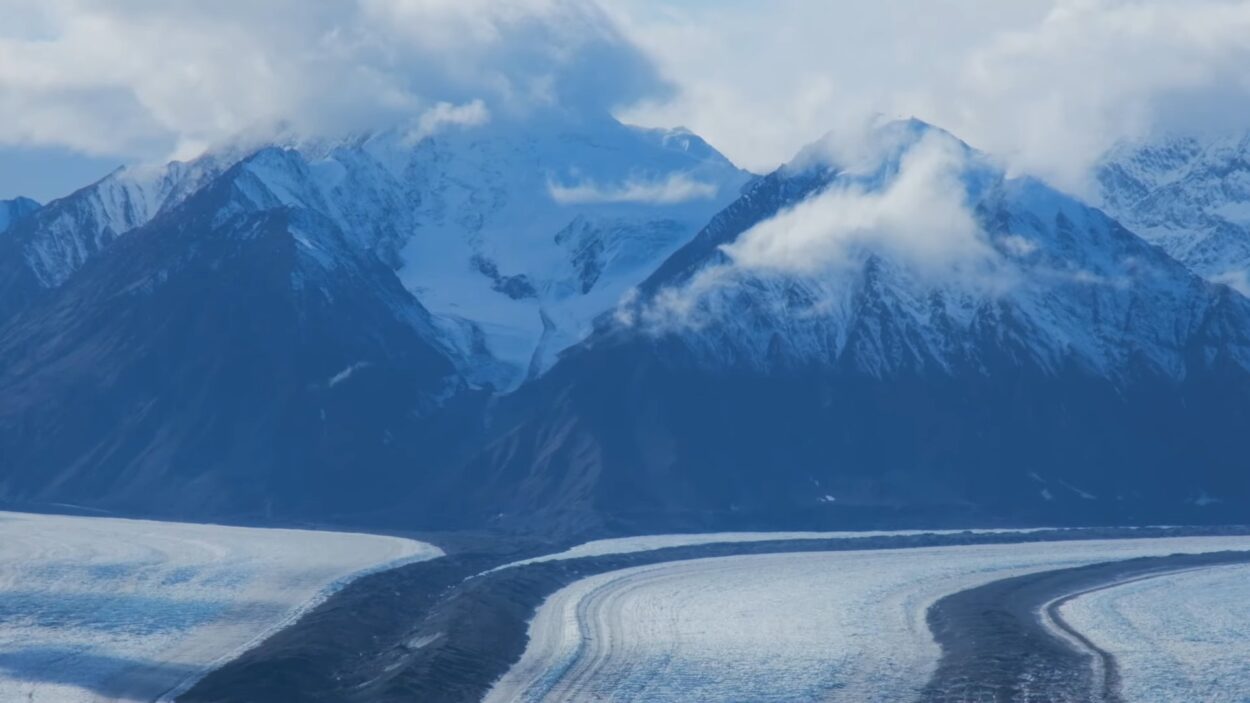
column 902, row 400
column 897, row 334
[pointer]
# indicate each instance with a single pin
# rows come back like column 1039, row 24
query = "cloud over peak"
column 920, row 215
column 150, row 78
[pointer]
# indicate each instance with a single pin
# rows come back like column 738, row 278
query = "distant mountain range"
column 1190, row 196
column 581, row 326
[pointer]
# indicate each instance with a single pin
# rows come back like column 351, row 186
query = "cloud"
column 1049, row 84
column 1055, row 97
column 761, row 82
column 347, row 373
column 907, row 202
column 921, row 217
column 444, row 115
column 150, row 78
column 676, row 188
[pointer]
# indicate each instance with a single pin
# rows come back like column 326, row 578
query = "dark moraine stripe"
column 996, row 649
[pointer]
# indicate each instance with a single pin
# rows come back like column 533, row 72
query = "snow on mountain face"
column 13, row 210
column 515, row 236
column 68, row 232
column 1188, row 195
column 222, row 358
column 929, row 258
column 903, row 331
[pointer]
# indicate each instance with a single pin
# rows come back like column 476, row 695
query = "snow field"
column 103, row 609
column 817, row 626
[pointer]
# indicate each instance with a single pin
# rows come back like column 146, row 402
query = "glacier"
column 818, row 626
column 100, row 609
column 1176, row 637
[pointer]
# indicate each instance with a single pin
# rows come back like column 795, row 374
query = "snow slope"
column 1190, row 195
column 70, row 231
column 1176, row 637
column 516, row 235
column 102, row 609
column 925, row 256
column 822, row 626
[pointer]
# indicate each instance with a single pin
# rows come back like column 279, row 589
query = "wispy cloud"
column 921, row 216
column 909, row 205
column 444, row 115
column 671, row 190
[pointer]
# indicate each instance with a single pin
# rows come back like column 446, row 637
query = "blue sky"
column 44, row 173
column 1046, row 84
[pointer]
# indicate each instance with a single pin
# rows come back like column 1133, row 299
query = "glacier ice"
column 95, row 608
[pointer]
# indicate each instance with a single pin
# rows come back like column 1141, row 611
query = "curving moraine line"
column 1006, row 642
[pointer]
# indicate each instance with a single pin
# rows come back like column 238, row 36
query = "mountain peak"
column 875, row 148
column 927, row 256
column 11, row 211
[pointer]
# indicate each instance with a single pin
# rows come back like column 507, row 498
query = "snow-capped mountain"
column 66, row 234
column 906, row 334
column 222, row 359
column 515, row 236
column 1010, row 272
column 1190, row 196
column 263, row 310
column 895, row 331
column 46, row 248
column 13, row 210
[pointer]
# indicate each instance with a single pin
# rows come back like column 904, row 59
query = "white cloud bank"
column 144, row 79
column 1050, row 84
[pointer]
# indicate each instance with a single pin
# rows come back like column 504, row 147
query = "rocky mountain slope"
column 219, row 360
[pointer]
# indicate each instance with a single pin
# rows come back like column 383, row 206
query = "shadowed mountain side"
column 623, row 438
column 224, row 364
